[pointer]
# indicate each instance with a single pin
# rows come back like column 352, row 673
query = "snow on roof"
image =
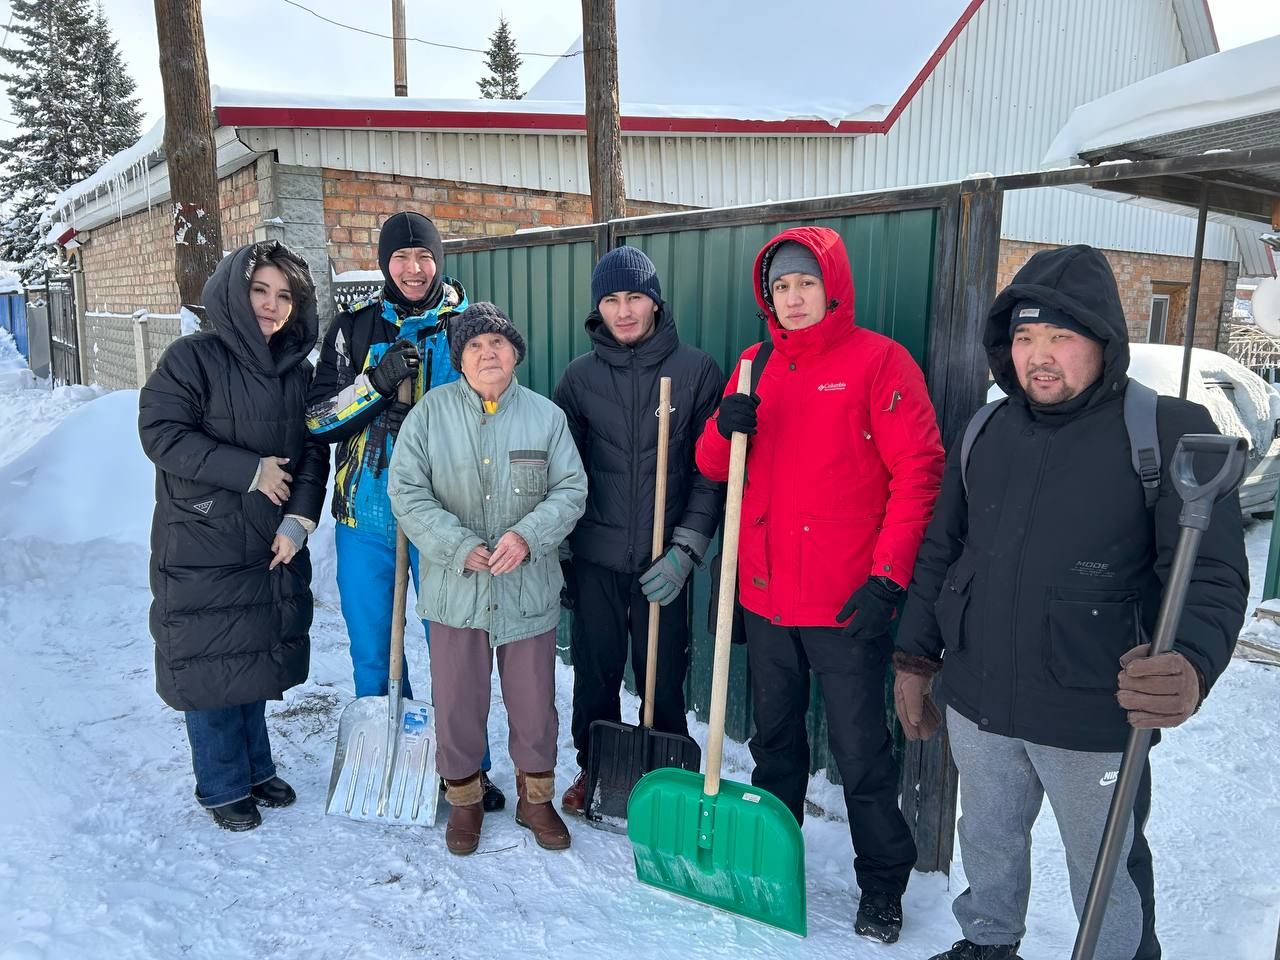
column 832, row 60
column 112, row 173
column 1231, row 85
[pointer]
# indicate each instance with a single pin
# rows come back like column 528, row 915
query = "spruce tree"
column 63, row 69
column 503, row 63
column 111, row 104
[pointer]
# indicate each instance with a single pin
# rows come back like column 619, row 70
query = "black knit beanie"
column 625, row 268
column 481, row 318
column 1029, row 311
column 409, row 229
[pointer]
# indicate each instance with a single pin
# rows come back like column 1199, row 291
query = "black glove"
column 401, row 360
column 569, row 592
column 737, row 415
column 394, row 416
column 873, row 607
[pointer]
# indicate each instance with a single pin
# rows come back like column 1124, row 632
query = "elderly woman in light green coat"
column 486, row 482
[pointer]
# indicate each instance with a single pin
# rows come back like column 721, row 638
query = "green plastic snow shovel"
column 619, row 754
column 722, row 843
column 384, row 766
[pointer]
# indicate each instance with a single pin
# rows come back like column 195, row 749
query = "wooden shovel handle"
column 659, row 539
column 728, row 593
column 401, row 598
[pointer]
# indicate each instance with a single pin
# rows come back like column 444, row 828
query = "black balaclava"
column 409, row 229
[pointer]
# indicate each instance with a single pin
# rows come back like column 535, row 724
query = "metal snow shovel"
column 1197, row 506
column 619, row 754
column 384, row 767
column 725, row 844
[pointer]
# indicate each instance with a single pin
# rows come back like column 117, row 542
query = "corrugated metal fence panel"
column 705, row 272
column 13, row 317
column 545, row 289
column 706, row 277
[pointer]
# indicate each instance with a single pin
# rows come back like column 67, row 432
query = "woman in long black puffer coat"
column 239, row 486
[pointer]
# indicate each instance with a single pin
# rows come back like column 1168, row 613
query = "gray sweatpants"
column 1003, row 782
column 461, row 664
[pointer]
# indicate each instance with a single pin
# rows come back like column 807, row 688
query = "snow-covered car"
column 1241, row 403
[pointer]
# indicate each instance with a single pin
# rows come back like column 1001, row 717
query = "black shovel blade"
column 618, row 755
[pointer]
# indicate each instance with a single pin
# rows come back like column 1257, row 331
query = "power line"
column 429, row 43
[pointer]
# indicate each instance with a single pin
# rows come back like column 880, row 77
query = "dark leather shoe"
column 462, row 835
column 574, row 800
column 273, row 793
column 494, row 799
column 237, row 816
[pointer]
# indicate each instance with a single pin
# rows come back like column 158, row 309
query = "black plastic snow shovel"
column 1197, row 507
column 619, row 754
column 725, row 844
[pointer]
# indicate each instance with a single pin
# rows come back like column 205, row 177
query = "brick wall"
column 128, row 263
column 1138, row 276
column 356, row 203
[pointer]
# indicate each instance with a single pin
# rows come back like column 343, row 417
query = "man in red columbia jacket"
column 843, row 468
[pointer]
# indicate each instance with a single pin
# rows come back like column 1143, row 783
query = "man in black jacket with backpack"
column 1035, row 592
column 610, row 398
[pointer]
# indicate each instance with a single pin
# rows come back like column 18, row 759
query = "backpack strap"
column 758, row 362
column 971, row 431
column 1144, row 437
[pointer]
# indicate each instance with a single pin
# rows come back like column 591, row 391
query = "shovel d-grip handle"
column 1197, row 509
column 724, row 611
column 1198, row 498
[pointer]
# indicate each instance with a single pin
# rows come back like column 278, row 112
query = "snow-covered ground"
column 105, row 854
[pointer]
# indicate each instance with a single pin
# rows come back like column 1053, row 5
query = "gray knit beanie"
column 792, row 257
column 480, row 318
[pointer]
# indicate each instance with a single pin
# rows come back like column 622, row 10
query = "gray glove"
column 667, row 575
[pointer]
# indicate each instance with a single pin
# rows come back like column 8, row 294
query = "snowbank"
column 87, row 479
column 10, row 282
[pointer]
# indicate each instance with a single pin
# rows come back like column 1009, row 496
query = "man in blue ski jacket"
column 369, row 349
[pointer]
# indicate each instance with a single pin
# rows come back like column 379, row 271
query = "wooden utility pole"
column 399, row 55
column 604, row 128
column 188, row 145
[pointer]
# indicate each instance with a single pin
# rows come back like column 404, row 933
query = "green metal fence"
column 905, row 249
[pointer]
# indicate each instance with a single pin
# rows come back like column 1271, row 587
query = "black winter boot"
column 237, row 816
column 968, row 950
column 879, row 916
column 494, row 799
column 273, row 793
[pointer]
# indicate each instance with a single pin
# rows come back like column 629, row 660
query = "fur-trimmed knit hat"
column 480, row 318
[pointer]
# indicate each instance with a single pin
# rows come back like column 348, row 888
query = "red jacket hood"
column 837, row 278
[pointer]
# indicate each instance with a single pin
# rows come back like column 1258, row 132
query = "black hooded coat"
column 1032, row 587
column 228, row 631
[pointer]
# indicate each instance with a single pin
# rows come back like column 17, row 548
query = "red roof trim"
column 355, row 118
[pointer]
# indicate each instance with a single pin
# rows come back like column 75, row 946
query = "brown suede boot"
column 466, row 814
column 536, row 812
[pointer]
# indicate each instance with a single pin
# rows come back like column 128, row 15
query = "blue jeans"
column 230, row 752
column 366, row 588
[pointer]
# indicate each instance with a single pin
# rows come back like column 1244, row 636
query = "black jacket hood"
column 227, row 307
column 1077, row 280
